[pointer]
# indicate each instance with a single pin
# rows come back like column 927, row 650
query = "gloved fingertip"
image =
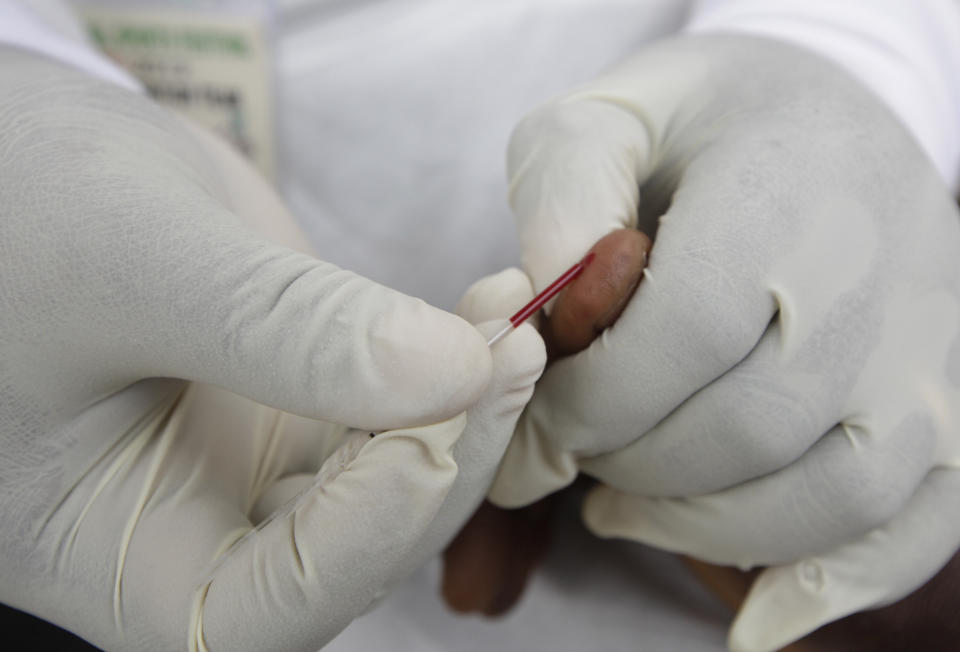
column 784, row 604
column 610, row 513
column 454, row 365
column 599, row 512
column 496, row 296
column 523, row 351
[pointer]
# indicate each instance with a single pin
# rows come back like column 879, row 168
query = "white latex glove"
column 783, row 387
column 141, row 511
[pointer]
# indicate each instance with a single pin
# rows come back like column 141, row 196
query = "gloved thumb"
column 148, row 271
column 496, row 297
column 526, row 459
column 302, row 335
column 787, row 602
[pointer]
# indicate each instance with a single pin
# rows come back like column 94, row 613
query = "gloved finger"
column 491, row 300
column 496, row 297
column 298, row 580
column 853, row 480
column 480, row 570
column 575, row 169
column 885, row 565
column 518, row 360
column 350, row 536
column 758, row 417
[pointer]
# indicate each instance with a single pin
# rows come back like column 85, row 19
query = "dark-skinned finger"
column 595, row 299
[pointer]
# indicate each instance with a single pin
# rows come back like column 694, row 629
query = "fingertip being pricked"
column 596, row 298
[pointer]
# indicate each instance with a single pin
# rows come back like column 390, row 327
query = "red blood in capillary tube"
column 545, row 295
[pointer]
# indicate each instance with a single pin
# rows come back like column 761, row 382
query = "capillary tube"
column 538, row 301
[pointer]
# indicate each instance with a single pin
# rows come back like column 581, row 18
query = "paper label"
column 216, row 68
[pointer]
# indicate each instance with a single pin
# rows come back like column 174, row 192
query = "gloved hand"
column 144, row 512
column 783, row 387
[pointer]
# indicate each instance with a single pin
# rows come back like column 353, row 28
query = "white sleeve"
column 50, row 28
column 906, row 51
